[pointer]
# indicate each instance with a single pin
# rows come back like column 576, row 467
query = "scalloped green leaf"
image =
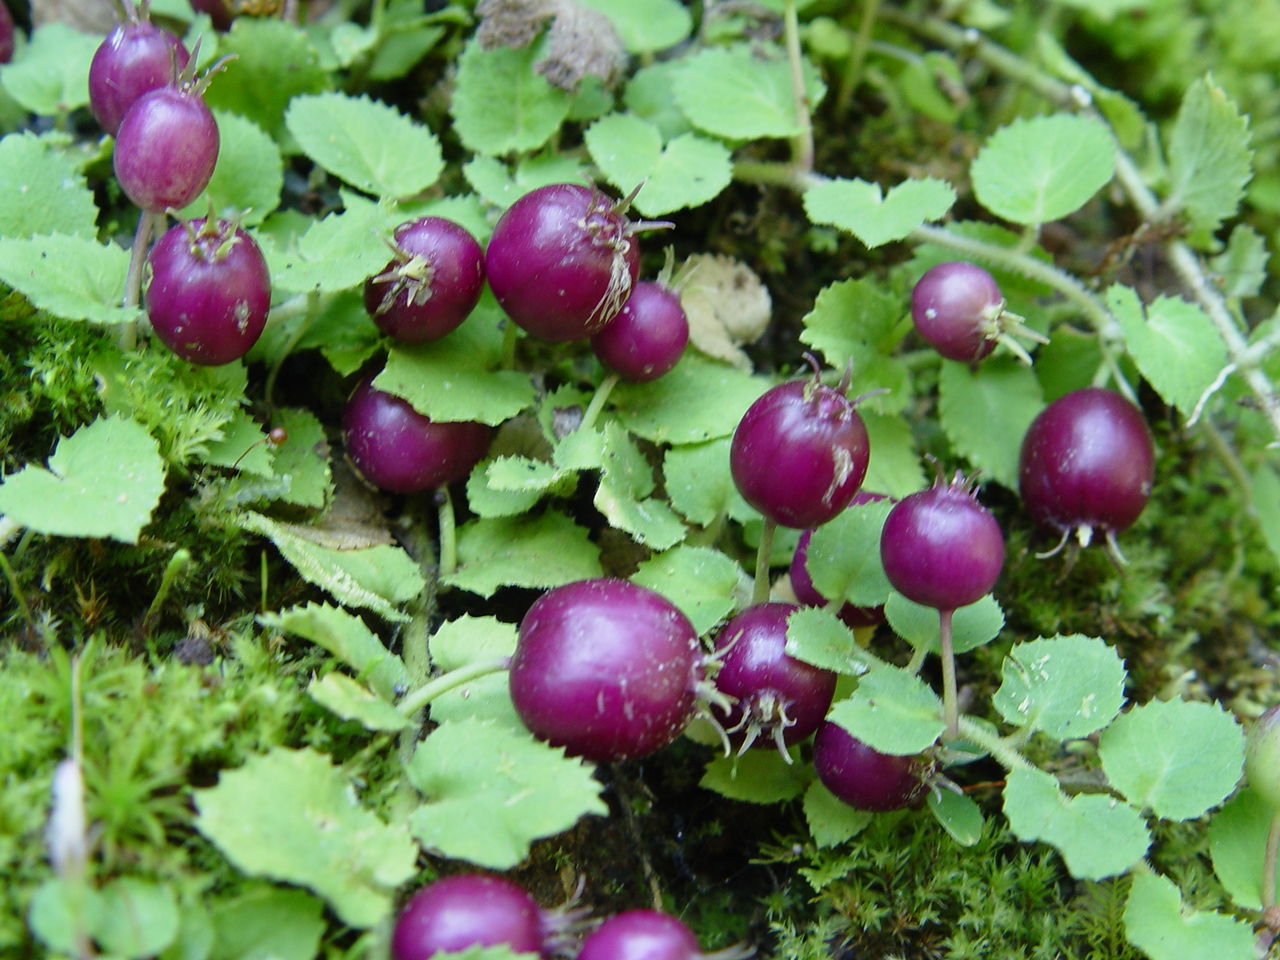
column 1040, row 169
column 490, row 791
column 268, row 923
column 742, row 94
column 895, row 467
column 831, row 820
column 858, row 322
column 486, row 500
column 139, row 918
column 697, row 480
column 758, row 776
column 696, row 401
column 302, row 459
column 648, row 520
column 1157, row 922
column 973, row 626
column 462, row 642
column 500, row 105
column 843, row 559
column 646, row 26
column 986, row 412
column 957, row 814
column 308, row 828
column 72, row 277
column 103, row 481
column 1209, row 157
column 877, row 218
column 1237, row 845
column 50, row 75
column 501, row 186
column 334, row 253
column 1064, row 686
column 1178, row 758
column 687, row 172
column 42, row 191
column 352, row 700
column 370, row 145
column 893, row 711
column 346, row 637
column 249, row 175
column 1097, row 835
column 538, row 552
column 816, row 636
column 701, row 581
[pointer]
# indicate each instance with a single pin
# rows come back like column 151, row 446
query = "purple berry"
column 799, row 454
column 606, row 669
column 646, row 339
column 209, row 293
column 778, row 696
column 866, row 778
column 802, row 585
column 432, row 286
column 649, row 935
column 562, row 261
column 6, row 33
column 399, row 449
column 135, row 57
column 956, row 308
column 467, row 910
column 166, row 148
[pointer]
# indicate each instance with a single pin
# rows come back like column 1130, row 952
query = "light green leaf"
column 308, row 828
column 957, row 814
column 646, row 26
column 522, row 474
column 450, row 380
column 1158, row 923
column 103, row 481
column 1066, row 686
column 650, row 95
column 247, row 180
column 843, row 558
column 50, row 75
column 973, row 626
column 894, row 468
column 831, row 820
column 354, row 701
column 629, row 151
column 892, row 711
column 267, row 923
column 544, row 551
column 1097, row 835
column 1175, row 346
column 1241, row 268
column 986, row 412
column 701, row 581
column 1177, row 757
column 1209, row 156
column 696, row 401
column 1123, row 114
column 1043, row 168
column 758, row 776
column 857, row 321
column 468, row 640
column 648, row 520
column 740, row 94
column 72, row 277
column 241, row 447
column 41, row 191
column 1238, row 844
column 53, row 906
column 874, row 218
column 300, row 460
column 498, row 185
column 1264, row 495
column 347, row 638
column 370, row 145
column 139, row 918
column 486, row 500
column 500, row 105
column 336, row 252
column 491, row 791
column 697, row 480
column 816, row 636
column 376, row 578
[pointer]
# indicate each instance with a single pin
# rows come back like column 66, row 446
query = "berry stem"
column 148, row 221
column 1269, row 863
column 417, row 699
column 761, row 592
column 447, row 532
column 949, row 704
column 802, row 142
column 598, row 401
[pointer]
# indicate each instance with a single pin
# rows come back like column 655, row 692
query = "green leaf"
column 50, row 75
column 486, row 500
column 1043, row 168
column 831, row 820
column 500, row 105
column 957, row 814
column 468, row 640
column 42, row 191
column 650, row 95
column 646, row 26
column 501, row 187
column 448, row 380
column 1209, row 156
column 139, row 918
column 701, row 581
column 1097, row 835
column 336, row 252
column 522, row 474
column 648, row 520
column 697, row 480
column 103, row 481
column 300, row 460
column 72, row 277
column 986, row 412
column 816, row 636
column 544, row 551
column 53, row 906
column 696, row 401
column 1238, row 843
column 241, row 447
column 247, row 180
column 1176, row 346
column 973, row 626
column 370, row 145
column 1066, row 686
column 376, row 578
column 894, row 467
column 1177, row 757
column 878, row 218
column 1123, row 114
column 266, row 923
column 893, row 711
column 347, row 638
column 1241, row 268
column 843, row 558
column 856, row 321
column 354, row 701
column 1158, row 923
column 491, row 791
column 275, row 62
column 291, row 815
column 758, row 776
column 688, row 172
column 740, row 95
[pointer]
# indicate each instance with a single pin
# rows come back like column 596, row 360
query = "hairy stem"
column 760, row 593
column 802, row 142
column 949, row 702
column 447, row 532
column 148, row 222
column 417, row 699
column 598, row 400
